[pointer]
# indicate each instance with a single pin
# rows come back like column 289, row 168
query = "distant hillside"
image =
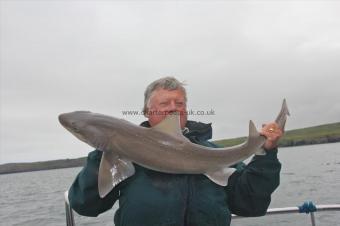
column 312, row 135
column 327, row 133
column 47, row 165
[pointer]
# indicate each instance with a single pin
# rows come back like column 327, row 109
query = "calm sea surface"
column 308, row 173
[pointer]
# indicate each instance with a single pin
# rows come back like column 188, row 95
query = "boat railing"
column 308, row 207
column 300, row 209
column 69, row 212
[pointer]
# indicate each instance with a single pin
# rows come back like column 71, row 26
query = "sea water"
column 309, row 173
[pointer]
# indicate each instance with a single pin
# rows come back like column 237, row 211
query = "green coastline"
column 327, row 133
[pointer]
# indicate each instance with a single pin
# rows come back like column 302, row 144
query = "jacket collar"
column 196, row 130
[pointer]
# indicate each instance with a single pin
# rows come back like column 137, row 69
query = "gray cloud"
column 238, row 58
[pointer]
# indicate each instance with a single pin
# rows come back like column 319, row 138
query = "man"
column 150, row 198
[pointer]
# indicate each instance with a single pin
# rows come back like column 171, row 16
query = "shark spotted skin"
column 162, row 148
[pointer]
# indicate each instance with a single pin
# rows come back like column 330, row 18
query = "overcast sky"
column 239, row 58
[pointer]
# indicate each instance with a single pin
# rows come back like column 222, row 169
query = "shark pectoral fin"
column 221, row 177
column 112, row 171
column 170, row 125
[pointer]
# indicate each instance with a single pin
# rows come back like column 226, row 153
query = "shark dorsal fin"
column 170, row 125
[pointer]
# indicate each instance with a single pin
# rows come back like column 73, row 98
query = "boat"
column 307, row 207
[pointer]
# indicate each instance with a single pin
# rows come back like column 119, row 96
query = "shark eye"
column 75, row 127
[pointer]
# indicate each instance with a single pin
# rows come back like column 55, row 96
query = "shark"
column 162, row 147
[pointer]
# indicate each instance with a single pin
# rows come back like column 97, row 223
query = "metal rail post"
column 69, row 211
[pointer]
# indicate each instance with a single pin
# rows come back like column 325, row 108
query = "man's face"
column 163, row 102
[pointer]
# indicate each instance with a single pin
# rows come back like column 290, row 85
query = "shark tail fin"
column 255, row 139
column 252, row 130
column 282, row 116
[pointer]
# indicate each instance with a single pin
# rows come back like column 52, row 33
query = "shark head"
column 74, row 122
column 87, row 128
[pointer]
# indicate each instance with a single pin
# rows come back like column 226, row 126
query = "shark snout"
column 64, row 119
column 69, row 123
column 73, row 120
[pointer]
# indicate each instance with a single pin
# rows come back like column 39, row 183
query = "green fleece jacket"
column 150, row 198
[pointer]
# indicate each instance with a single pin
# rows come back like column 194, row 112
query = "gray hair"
column 168, row 83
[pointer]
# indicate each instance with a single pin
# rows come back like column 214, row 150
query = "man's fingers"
column 273, row 133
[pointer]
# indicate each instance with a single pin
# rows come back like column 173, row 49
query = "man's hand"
column 273, row 133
